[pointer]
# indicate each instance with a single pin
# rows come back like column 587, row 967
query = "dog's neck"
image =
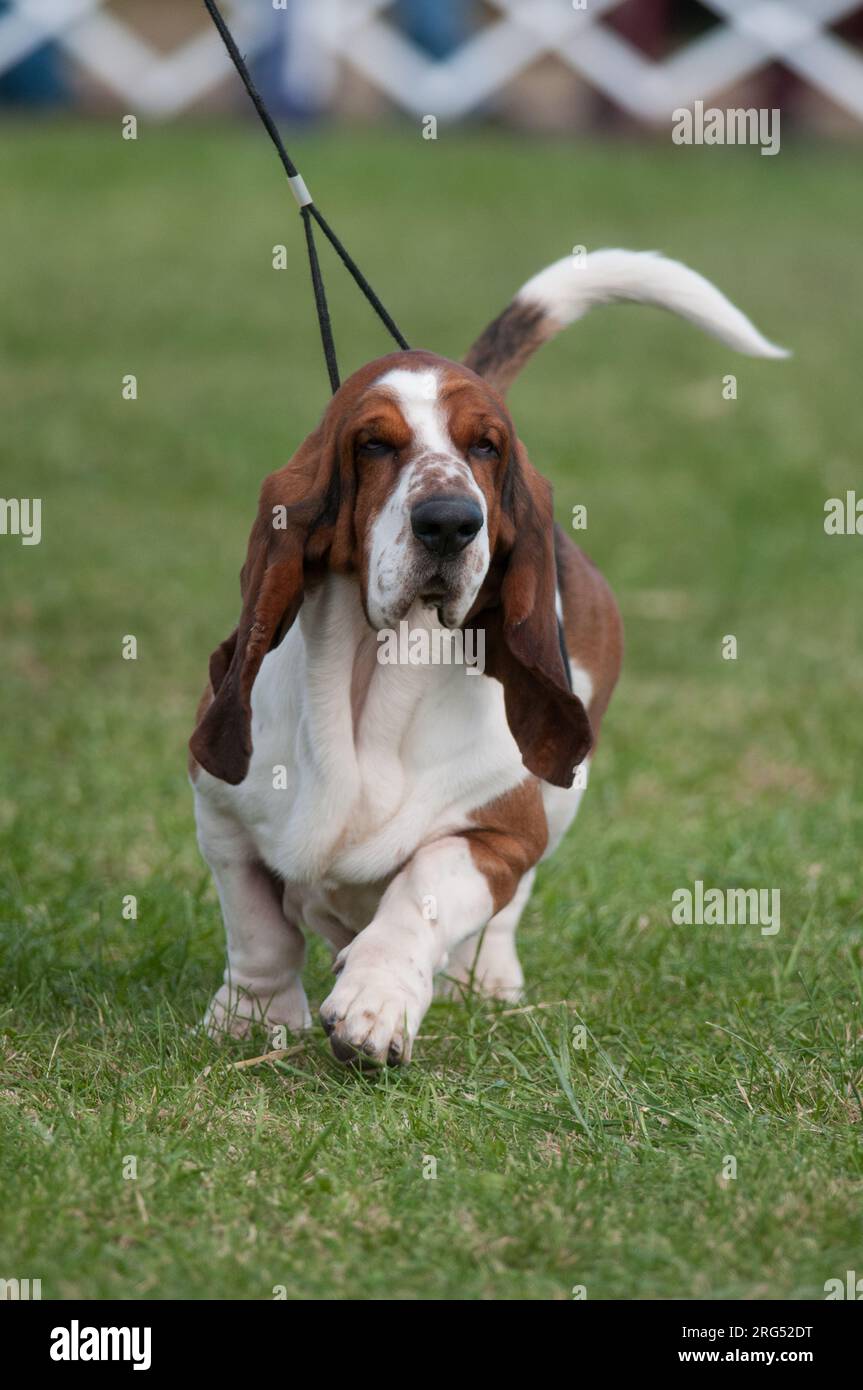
column 345, row 654
column 357, row 703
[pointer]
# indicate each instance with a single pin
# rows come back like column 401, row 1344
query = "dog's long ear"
column 298, row 512
column 549, row 723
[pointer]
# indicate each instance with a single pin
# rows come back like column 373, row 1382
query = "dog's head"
column 416, row 482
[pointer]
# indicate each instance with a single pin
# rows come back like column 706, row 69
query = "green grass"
column 556, row 1165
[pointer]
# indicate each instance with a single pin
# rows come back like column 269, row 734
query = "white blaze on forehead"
column 417, row 395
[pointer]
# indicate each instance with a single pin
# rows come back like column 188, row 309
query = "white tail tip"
column 571, row 287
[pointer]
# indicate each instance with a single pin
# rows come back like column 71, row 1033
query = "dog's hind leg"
column 488, row 962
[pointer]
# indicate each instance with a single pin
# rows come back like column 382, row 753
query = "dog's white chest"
column 356, row 763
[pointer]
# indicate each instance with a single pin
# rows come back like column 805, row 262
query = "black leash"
column 307, row 212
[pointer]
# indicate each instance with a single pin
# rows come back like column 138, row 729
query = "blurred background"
column 535, row 64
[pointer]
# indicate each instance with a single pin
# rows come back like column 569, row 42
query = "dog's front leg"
column 265, row 950
column 447, row 892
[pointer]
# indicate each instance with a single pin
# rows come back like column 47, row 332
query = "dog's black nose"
column 445, row 525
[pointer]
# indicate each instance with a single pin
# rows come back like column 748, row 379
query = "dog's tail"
column 565, row 291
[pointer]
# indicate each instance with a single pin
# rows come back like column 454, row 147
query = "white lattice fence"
column 326, row 34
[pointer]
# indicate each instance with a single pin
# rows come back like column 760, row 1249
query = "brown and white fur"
column 401, row 810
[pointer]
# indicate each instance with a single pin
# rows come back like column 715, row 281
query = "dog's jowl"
column 400, row 807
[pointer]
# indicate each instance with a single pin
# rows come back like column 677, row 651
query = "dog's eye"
column 485, row 448
column 374, row 448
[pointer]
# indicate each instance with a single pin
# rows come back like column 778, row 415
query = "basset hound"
column 401, row 809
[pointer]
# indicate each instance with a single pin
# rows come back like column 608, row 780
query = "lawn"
column 604, row 1165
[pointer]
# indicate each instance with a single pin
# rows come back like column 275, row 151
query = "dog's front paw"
column 373, row 1016
column 233, row 1011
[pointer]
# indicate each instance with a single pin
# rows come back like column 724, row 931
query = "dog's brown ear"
column 297, row 515
column 523, row 641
